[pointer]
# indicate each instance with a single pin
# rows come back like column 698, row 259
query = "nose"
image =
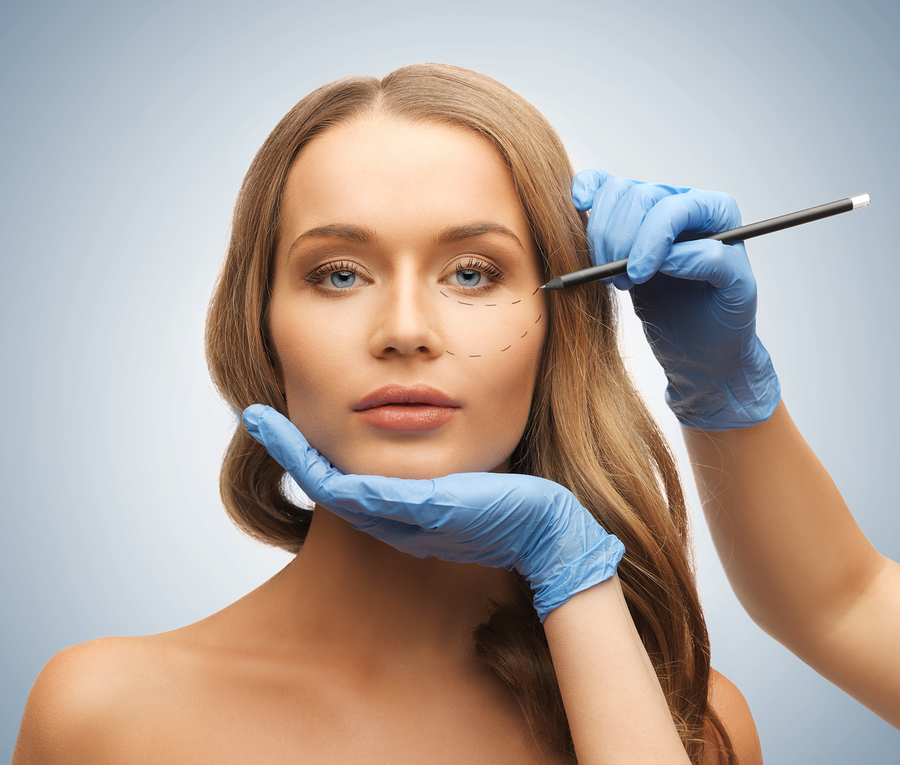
column 407, row 323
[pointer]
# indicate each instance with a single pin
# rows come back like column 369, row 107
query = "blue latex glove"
column 696, row 300
column 516, row 522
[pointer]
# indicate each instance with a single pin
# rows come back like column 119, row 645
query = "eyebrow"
column 363, row 235
column 341, row 230
column 458, row 233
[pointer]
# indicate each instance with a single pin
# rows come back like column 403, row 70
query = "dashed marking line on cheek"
column 490, row 305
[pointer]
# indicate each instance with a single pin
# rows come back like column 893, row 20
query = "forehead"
column 385, row 173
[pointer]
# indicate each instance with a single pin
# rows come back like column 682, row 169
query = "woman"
column 381, row 290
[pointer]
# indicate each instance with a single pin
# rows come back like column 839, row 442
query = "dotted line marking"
column 491, row 305
column 485, row 305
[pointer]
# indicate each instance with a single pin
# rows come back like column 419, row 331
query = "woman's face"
column 405, row 312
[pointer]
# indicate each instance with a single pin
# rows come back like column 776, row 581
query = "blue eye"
column 341, row 279
column 468, row 277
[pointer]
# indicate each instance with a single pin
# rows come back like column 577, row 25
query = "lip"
column 400, row 408
column 406, row 395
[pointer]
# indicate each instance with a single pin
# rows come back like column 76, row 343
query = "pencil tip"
column 554, row 284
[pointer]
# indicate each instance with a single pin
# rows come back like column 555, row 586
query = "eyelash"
column 470, row 264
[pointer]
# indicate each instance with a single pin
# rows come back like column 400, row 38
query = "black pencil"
column 596, row 273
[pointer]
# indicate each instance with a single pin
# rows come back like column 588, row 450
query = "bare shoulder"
column 177, row 696
column 731, row 706
column 79, row 700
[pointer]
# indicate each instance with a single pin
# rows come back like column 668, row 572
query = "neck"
column 361, row 598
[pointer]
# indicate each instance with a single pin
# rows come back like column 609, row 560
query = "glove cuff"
column 562, row 579
column 749, row 397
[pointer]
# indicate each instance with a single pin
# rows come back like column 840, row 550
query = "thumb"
column 291, row 450
column 325, row 485
column 585, row 186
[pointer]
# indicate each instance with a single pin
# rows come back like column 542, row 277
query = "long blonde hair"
column 588, row 430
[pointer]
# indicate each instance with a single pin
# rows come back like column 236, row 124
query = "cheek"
column 517, row 372
column 501, row 330
column 314, row 345
column 505, row 381
column 315, row 349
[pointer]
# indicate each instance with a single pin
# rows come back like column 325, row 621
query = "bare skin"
column 325, row 662
column 328, row 667
column 797, row 560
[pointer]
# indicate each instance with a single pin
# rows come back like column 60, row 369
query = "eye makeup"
column 322, row 270
column 342, row 276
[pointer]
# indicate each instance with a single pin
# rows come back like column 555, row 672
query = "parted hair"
column 588, row 430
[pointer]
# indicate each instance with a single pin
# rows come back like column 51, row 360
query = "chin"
column 416, row 463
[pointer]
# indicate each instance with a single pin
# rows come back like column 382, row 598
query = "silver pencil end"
column 862, row 200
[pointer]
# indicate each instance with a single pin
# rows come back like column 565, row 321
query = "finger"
column 726, row 268
column 585, row 185
column 430, row 504
column 630, row 213
column 395, row 499
column 626, row 220
column 699, row 211
column 605, row 201
column 408, row 501
column 394, row 510
column 291, row 450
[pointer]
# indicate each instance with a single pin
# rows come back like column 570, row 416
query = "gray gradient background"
column 126, row 131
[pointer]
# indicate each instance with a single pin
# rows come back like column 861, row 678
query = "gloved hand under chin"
column 517, row 522
column 696, row 299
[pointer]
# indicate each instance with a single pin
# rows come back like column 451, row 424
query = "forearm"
column 789, row 545
column 615, row 706
column 796, row 558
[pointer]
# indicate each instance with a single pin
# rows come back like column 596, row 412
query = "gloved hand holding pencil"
column 696, row 299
